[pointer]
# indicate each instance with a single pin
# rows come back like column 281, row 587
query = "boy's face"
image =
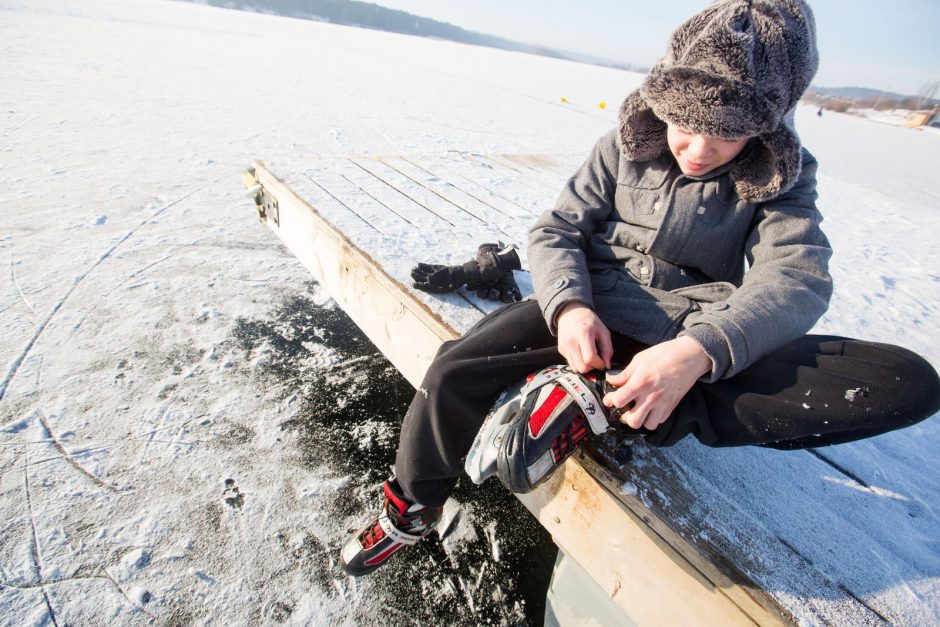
column 700, row 154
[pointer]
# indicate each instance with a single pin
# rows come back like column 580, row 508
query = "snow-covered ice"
column 188, row 425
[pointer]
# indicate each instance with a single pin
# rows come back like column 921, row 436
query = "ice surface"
column 158, row 459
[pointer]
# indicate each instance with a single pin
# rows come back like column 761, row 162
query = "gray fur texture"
column 737, row 69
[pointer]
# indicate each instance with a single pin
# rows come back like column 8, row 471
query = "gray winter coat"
column 657, row 254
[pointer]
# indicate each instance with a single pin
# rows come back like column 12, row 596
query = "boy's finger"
column 593, row 359
column 637, row 416
column 588, row 355
column 653, row 419
column 606, row 349
column 620, row 378
column 620, row 397
column 573, row 357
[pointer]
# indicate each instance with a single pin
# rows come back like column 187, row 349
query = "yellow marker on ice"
column 563, row 99
column 602, row 105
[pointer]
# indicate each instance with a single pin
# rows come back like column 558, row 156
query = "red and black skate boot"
column 559, row 410
column 539, row 422
column 399, row 524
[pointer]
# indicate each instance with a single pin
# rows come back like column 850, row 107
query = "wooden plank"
column 411, row 192
column 502, row 184
column 468, row 221
column 638, row 564
column 364, row 291
column 461, row 309
column 537, row 168
column 643, row 572
column 561, row 166
column 546, row 184
column 373, row 212
column 782, row 526
column 470, row 184
column 455, row 194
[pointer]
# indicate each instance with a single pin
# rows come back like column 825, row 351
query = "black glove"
column 491, row 263
column 505, row 289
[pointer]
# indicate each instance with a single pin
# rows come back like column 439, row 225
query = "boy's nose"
column 698, row 146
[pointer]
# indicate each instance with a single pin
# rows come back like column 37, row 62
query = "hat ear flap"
column 770, row 166
column 642, row 134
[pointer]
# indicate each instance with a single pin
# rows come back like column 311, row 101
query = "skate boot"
column 540, row 422
column 560, row 409
column 399, row 524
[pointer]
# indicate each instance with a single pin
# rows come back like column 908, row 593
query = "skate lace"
column 568, row 440
column 372, row 535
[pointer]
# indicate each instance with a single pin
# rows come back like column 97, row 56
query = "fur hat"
column 737, row 69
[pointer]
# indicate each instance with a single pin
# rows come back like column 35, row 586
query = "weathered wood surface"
column 664, row 535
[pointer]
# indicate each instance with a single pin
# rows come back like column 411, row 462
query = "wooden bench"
column 668, row 538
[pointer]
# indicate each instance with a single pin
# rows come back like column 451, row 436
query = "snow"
column 161, row 353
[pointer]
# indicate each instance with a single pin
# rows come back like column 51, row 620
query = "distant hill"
column 845, row 98
column 857, row 93
column 367, row 15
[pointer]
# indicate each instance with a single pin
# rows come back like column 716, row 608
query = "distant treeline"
column 848, row 98
column 366, row 15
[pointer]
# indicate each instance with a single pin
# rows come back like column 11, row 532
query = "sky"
column 893, row 45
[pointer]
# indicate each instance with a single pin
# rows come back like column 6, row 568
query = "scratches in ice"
column 51, row 582
column 150, row 439
column 40, row 581
column 176, row 425
column 468, row 594
column 140, row 271
column 36, row 549
column 67, row 457
column 123, row 592
column 163, row 424
column 18, row 360
column 19, row 289
column 18, row 126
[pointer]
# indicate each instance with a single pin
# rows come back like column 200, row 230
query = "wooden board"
column 660, row 536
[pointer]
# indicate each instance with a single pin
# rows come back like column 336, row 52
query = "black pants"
column 816, row 391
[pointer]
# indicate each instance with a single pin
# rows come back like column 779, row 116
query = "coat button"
column 640, row 249
column 719, row 306
column 559, row 283
column 644, row 270
column 657, row 205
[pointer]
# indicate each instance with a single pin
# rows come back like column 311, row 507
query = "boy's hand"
column 656, row 380
column 583, row 340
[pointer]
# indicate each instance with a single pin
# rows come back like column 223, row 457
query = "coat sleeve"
column 784, row 292
column 559, row 238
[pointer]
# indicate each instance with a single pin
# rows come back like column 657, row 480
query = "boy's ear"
column 642, row 134
column 770, row 166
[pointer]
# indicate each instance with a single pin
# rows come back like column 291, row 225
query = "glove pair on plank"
column 489, row 274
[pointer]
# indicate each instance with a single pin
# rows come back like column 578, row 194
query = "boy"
column 641, row 262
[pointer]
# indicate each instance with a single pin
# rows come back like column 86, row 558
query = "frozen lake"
column 188, row 427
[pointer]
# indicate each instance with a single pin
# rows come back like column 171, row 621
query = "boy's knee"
column 906, row 381
column 918, row 382
column 445, row 368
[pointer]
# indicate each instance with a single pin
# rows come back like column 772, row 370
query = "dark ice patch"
column 347, row 425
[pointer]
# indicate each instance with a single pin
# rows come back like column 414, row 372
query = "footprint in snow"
column 233, row 497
